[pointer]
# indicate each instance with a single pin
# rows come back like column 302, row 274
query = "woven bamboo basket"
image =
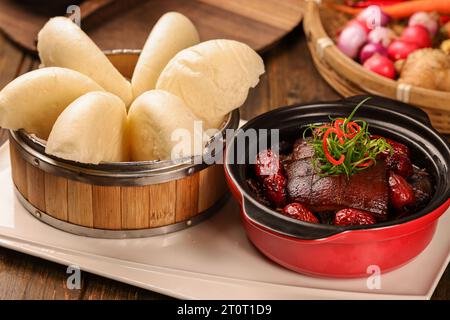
column 115, row 200
column 349, row 78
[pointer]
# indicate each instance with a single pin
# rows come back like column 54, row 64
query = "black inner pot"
column 386, row 117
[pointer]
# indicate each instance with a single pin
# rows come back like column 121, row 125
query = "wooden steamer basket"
column 116, row 200
column 350, row 78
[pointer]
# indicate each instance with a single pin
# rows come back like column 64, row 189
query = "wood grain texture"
column 19, row 171
column 162, row 204
column 115, row 207
column 135, row 207
column 442, row 291
column 277, row 14
column 79, row 203
column 107, row 207
column 186, row 205
column 35, row 186
column 125, row 63
column 23, row 276
column 11, row 59
column 212, row 186
column 105, row 289
column 26, row 277
column 56, row 197
column 258, row 23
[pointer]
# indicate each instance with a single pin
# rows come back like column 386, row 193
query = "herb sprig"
column 344, row 146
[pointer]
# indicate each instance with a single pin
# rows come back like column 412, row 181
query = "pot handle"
column 280, row 224
column 407, row 109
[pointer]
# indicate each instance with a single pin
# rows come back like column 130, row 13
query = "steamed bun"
column 34, row 100
column 91, row 130
column 173, row 32
column 61, row 43
column 212, row 78
column 161, row 127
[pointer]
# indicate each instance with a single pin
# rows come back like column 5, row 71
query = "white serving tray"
column 213, row 260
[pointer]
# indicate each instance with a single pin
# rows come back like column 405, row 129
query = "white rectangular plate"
column 213, row 260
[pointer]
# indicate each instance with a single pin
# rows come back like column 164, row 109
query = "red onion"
column 351, row 39
column 381, row 35
column 418, row 35
column 381, row 65
column 361, row 23
column 374, row 17
column 370, row 49
column 425, row 19
column 400, row 49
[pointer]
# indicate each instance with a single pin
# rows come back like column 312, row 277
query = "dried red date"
column 275, row 189
column 300, row 212
column 400, row 164
column 353, row 217
column 267, row 164
column 401, row 193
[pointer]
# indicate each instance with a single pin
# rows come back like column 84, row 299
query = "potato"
column 61, row 43
column 91, row 130
column 34, row 100
column 212, row 78
column 172, row 33
column 159, row 123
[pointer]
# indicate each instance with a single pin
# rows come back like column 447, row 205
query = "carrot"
column 403, row 9
column 408, row 8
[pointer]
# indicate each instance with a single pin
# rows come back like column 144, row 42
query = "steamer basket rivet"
column 36, row 162
column 189, row 223
column 190, row 171
column 37, row 213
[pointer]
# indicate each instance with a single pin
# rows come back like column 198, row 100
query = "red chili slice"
column 337, row 129
column 338, row 123
column 325, row 147
column 353, row 128
column 368, row 163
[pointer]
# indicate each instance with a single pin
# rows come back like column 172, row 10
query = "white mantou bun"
column 212, row 78
column 34, row 100
column 154, row 119
column 173, row 32
column 61, row 43
column 91, row 130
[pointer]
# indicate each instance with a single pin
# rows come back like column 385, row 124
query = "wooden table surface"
column 290, row 78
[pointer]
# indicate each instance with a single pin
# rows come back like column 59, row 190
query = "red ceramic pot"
column 333, row 251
